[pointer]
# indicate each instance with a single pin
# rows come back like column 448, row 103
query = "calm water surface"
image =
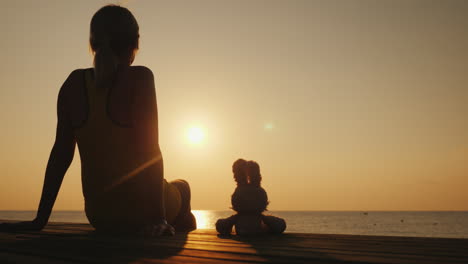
column 421, row 224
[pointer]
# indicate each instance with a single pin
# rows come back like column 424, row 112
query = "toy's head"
column 253, row 172
column 249, row 199
column 239, row 170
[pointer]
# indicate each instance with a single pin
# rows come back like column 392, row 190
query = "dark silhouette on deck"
column 110, row 112
column 249, row 200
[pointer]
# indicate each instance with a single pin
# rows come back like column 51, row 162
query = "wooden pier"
column 77, row 243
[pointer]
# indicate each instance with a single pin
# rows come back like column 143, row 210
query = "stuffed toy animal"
column 249, row 200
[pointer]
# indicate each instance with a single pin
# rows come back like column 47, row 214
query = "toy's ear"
column 240, row 178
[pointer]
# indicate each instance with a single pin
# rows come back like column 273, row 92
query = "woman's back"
column 110, row 144
column 116, row 132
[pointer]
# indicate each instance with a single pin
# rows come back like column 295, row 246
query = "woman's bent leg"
column 185, row 220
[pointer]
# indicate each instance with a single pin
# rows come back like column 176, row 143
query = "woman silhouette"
column 110, row 111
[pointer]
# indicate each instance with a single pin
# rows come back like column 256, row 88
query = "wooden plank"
column 297, row 245
column 10, row 258
column 313, row 255
column 64, row 242
column 451, row 245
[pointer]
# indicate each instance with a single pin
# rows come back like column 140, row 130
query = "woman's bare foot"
column 162, row 229
column 186, row 223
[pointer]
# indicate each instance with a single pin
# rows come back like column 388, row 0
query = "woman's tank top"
column 109, row 161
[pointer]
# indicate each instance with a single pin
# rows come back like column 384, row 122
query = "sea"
column 446, row 224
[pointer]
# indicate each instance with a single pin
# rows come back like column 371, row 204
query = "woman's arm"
column 59, row 160
column 60, row 157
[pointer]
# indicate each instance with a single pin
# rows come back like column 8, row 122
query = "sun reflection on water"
column 202, row 217
column 206, row 219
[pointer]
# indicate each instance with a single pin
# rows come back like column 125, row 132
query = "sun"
column 195, row 135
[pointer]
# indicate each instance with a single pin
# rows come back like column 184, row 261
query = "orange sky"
column 346, row 105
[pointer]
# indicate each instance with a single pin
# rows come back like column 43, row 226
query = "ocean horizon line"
column 450, row 224
column 274, row 210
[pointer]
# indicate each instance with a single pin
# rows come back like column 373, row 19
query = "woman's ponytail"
column 105, row 64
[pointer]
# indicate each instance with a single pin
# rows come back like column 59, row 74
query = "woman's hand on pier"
column 34, row 225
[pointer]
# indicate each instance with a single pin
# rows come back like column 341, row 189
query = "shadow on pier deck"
column 77, row 243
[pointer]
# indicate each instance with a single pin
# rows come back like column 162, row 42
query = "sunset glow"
column 195, row 135
column 345, row 105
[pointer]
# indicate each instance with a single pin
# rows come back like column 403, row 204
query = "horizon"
column 346, row 105
column 330, row 211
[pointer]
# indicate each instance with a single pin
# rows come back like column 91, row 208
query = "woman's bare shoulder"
column 72, row 98
column 142, row 72
column 78, row 73
column 141, row 69
column 74, row 79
